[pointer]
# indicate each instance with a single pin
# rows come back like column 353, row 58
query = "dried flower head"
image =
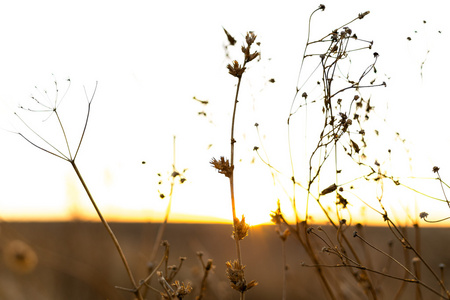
column 423, row 215
column 20, row 257
column 283, row 235
column 209, row 265
column 435, row 169
column 347, row 30
column 341, row 200
column 249, row 57
column 276, row 217
column 230, row 38
column 240, row 229
column 181, row 289
column 235, row 69
column 235, row 273
column 362, row 15
column 250, row 38
column 222, row 166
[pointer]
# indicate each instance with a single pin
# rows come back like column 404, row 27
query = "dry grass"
column 348, row 260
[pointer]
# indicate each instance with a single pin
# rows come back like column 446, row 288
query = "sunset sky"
column 151, row 59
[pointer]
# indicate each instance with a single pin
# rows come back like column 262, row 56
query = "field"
column 77, row 260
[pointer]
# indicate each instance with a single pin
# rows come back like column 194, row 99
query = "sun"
column 254, row 216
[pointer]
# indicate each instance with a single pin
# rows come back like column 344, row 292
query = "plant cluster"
column 338, row 151
column 169, row 286
column 340, row 143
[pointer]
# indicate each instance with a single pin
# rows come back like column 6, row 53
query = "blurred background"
column 151, row 59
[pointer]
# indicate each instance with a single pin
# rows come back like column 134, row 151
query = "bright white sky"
column 151, row 59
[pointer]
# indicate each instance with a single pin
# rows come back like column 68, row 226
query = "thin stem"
column 43, row 149
column 87, row 119
column 233, row 141
column 380, row 273
column 62, row 156
column 169, row 205
column 283, row 251
column 143, row 282
column 405, row 242
column 108, row 228
column 64, row 133
column 386, row 254
column 443, row 191
column 206, row 269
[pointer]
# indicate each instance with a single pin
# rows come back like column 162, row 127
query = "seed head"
column 283, row 235
column 181, row 289
column 209, row 265
column 276, row 217
column 235, row 273
column 240, row 229
column 423, row 215
column 249, row 57
column 222, row 166
column 250, row 38
column 230, row 38
column 235, row 69
column 362, row 15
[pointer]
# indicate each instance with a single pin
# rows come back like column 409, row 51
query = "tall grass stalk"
column 235, row 270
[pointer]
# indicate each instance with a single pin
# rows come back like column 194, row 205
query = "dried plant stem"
column 304, row 241
column 206, row 268
column 284, row 279
column 108, row 228
column 399, row 235
column 441, row 267
column 203, row 286
column 417, row 265
column 71, row 159
column 307, row 246
column 442, row 187
column 233, row 205
column 410, row 280
column 235, row 269
column 233, row 141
